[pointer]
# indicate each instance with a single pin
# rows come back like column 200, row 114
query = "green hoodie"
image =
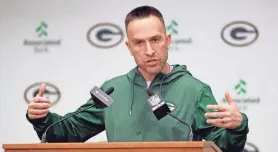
column 130, row 118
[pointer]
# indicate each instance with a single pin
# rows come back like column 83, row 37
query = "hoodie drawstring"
column 132, row 94
column 160, row 87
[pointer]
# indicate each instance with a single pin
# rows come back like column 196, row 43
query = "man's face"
column 148, row 43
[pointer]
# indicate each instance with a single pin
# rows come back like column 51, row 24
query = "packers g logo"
column 171, row 106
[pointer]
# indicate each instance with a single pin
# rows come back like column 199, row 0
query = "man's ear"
column 128, row 46
column 168, row 40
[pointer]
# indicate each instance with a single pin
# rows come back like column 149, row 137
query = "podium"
column 203, row 146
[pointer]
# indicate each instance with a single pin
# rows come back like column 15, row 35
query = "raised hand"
column 38, row 107
column 224, row 116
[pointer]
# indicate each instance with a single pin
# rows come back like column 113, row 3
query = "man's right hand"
column 38, row 107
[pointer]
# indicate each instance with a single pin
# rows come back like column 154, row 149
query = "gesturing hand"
column 224, row 116
column 38, row 107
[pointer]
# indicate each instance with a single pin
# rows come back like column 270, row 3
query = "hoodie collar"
column 136, row 77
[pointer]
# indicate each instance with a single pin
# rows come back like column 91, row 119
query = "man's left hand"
column 224, row 116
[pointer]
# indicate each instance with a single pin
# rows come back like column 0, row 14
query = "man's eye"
column 156, row 39
column 138, row 42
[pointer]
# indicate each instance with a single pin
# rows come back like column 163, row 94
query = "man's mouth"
column 151, row 62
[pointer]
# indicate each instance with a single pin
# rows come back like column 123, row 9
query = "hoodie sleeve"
column 228, row 140
column 78, row 128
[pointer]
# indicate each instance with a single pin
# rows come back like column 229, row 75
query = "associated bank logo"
column 241, row 95
column 41, row 29
column 105, row 35
column 240, row 87
column 172, row 28
column 177, row 40
column 51, row 92
column 42, row 42
column 239, row 33
column 249, row 147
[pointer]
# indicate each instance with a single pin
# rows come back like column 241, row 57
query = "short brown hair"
column 142, row 12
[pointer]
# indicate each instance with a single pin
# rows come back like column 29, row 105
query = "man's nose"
column 149, row 50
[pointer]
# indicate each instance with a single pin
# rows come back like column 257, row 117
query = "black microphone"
column 101, row 100
column 160, row 109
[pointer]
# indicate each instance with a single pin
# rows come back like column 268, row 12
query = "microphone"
column 158, row 106
column 160, row 109
column 101, row 100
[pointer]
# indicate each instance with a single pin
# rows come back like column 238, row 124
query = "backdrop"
column 75, row 45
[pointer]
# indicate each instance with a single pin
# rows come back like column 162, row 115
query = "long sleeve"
column 228, row 140
column 78, row 128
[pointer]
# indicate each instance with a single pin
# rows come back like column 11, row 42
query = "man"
column 129, row 118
